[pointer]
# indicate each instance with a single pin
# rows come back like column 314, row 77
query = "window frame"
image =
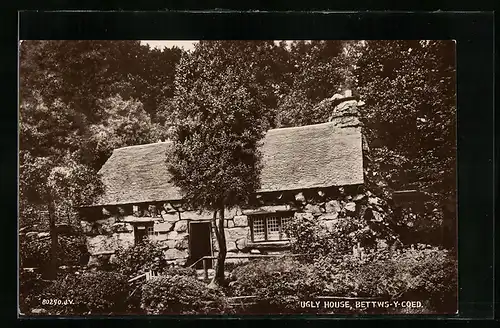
column 265, row 217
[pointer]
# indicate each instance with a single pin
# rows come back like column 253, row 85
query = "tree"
column 220, row 108
column 59, row 186
column 410, row 115
column 314, row 71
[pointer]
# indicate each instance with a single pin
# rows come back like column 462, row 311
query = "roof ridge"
column 145, row 145
column 301, row 127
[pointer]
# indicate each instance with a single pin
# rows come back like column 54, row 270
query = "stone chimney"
column 345, row 113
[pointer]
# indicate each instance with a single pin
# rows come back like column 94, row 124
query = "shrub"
column 413, row 274
column 181, row 294
column 179, row 271
column 279, row 284
column 35, row 252
column 310, row 237
column 140, row 258
column 97, row 292
column 31, row 287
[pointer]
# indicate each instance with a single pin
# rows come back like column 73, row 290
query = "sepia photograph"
column 237, row 177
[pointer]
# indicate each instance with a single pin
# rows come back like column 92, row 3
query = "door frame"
column 211, row 232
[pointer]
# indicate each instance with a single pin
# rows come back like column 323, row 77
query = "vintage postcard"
column 167, row 177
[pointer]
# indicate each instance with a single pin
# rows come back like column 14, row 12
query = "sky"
column 186, row 44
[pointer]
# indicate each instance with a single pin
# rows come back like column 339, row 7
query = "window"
column 269, row 227
column 150, row 231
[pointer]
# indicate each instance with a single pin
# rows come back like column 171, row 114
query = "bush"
column 97, row 292
column 140, row 258
column 31, row 287
column 279, row 284
column 173, row 271
column 181, row 294
column 428, row 274
column 35, row 252
column 310, row 237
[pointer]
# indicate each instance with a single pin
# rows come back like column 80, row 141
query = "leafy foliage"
column 313, row 238
column 278, row 284
column 35, row 252
column 140, row 258
column 31, row 287
column 409, row 91
column 221, row 118
column 180, row 294
column 97, row 292
column 423, row 273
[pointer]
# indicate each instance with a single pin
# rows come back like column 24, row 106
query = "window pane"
column 258, row 229
column 273, row 228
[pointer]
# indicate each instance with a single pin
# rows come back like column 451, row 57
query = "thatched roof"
column 312, row 156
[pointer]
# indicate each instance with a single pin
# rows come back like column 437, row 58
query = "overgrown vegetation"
column 181, row 294
column 140, row 258
column 79, row 100
column 278, row 284
column 90, row 293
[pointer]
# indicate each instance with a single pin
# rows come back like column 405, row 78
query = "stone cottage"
column 309, row 172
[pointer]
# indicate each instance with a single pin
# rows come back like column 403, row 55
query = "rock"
column 377, row 217
column 329, row 216
column 332, row 206
column 174, row 235
column 43, row 234
column 181, row 244
column 304, row 216
column 329, row 224
column 121, row 227
column 350, row 207
column 312, row 209
column 94, row 261
column 241, row 244
column 170, row 217
column 359, row 197
column 39, row 311
column 231, row 246
column 382, row 244
column 229, row 213
column 374, row 201
column 168, row 208
column 31, row 234
column 181, row 262
column 113, row 259
column 106, row 212
column 195, row 215
column 270, row 209
column 230, row 223
column 163, row 226
column 300, row 197
column 236, row 233
column 172, row 254
column 181, row 226
column 124, row 239
column 240, row 221
column 170, row 243
column 321, row 193
column 160, row 237
column 254, row 251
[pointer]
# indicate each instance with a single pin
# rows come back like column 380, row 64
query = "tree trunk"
column 219, row 278
column 52, row 269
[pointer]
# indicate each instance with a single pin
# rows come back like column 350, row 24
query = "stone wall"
column 170, row 221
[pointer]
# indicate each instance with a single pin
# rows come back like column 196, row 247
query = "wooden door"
column 200, row 243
